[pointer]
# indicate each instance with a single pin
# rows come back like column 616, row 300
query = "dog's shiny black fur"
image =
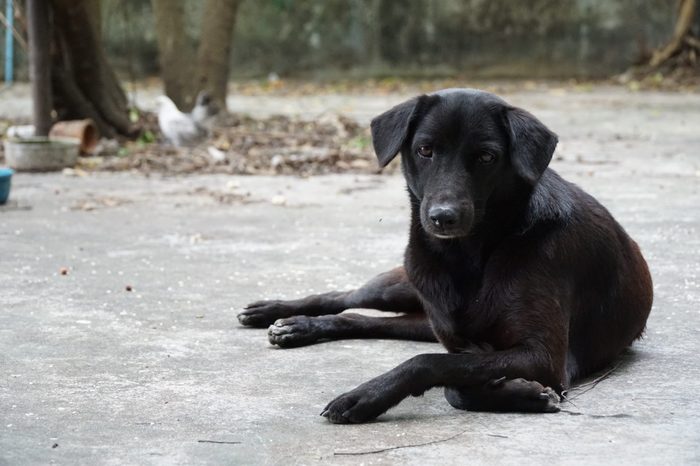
column 526, row 280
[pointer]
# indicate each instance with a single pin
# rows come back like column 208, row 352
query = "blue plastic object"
column 5, row 178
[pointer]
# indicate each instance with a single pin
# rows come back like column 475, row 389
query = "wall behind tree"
column 411, row 38
column 555, row 38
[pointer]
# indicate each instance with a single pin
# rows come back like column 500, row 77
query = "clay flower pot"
column 83, row 130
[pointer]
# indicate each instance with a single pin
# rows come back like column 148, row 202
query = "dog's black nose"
column 443, row 217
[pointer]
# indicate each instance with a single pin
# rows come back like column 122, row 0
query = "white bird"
column 179, row 128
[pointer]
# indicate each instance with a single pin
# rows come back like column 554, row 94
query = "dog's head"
column 460, row 148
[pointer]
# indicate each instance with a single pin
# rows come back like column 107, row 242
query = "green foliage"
column 360, row 142
column 147, row 137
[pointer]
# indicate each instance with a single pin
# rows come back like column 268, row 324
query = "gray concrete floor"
column 95, row 374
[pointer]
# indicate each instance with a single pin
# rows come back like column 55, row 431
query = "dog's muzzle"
column 446, row 221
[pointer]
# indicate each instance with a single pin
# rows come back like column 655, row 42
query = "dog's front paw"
column 357, row 406
column 351, row 408
column 294, row 331
column 260, row 314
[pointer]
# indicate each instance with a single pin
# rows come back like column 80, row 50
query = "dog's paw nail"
column 324, row 413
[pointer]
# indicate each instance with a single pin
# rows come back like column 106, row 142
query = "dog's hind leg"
column 510, row 395
column 389, row 291
column 305, row 330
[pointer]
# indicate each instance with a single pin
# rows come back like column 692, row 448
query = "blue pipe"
column 9, row 49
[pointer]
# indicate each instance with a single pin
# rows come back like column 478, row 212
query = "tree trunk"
column 176, row 56
column 39, row 65
column 214, row 57
column 374, row 43
column 84, row 84
column 681, row 35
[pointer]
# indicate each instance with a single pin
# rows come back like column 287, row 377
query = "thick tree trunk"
column 176, row 56
column 181, row 80
column 214, row 57
column 84, row 84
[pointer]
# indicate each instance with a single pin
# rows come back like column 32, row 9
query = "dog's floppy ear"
column 391, row 128
column 531, row 144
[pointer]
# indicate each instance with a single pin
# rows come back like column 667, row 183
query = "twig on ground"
column 578, row 413
column 592, row 384
column 565, row 397
column 410, row 445
column 224, row 442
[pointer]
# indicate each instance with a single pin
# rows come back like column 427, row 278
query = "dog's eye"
column 425, row 151
column 487, row 158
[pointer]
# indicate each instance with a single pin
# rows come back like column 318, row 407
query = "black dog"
column 526, row 280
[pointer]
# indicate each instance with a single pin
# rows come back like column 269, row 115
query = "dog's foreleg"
column 389, row 291
column 304, row 330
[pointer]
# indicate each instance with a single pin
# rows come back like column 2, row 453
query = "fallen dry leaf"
column 268, row 146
